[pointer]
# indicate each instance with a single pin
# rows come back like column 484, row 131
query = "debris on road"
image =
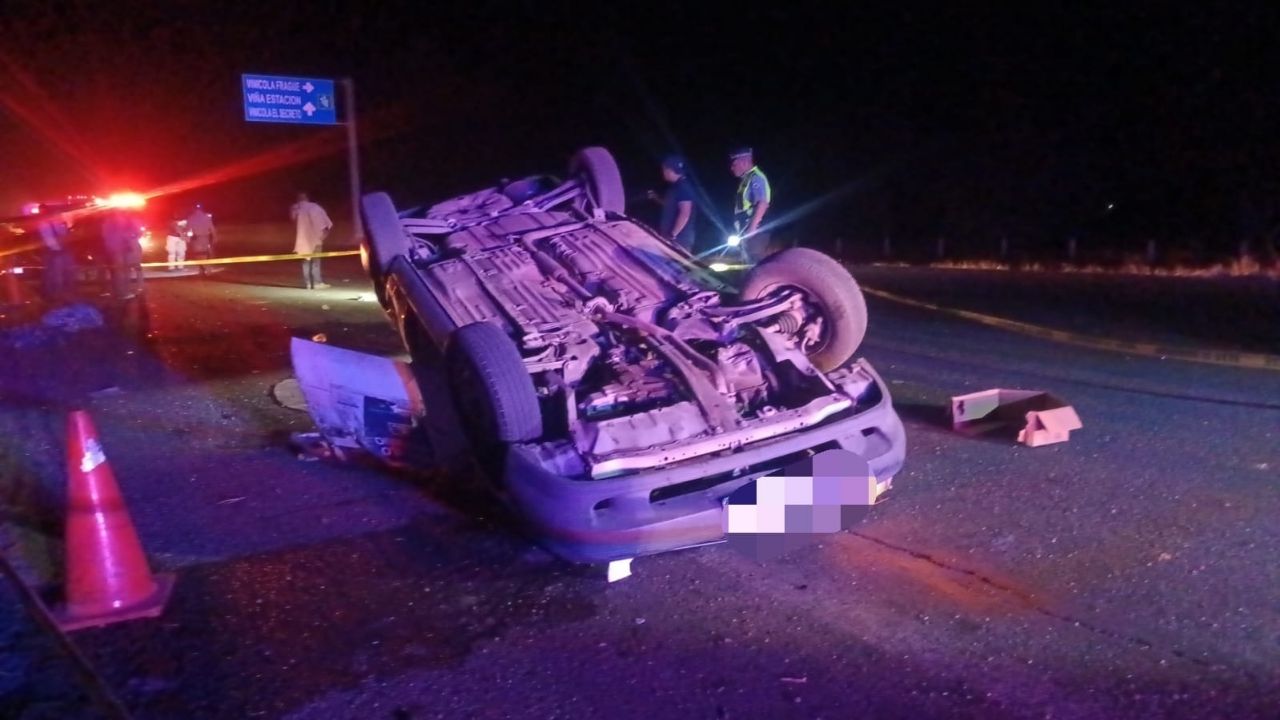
column 320, row 338
column 795, row 680
column 362, row 403
column 1043, row 418
column 52, row 326
column 312, row 447
column 73, row 318
column 619, row 570
column 232, row 500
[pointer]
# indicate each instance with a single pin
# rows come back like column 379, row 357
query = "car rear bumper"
column 682, row 505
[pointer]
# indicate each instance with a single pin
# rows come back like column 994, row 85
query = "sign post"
column 307, row 101
column 353, row 157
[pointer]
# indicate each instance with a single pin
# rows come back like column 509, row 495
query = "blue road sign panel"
column 277, row 99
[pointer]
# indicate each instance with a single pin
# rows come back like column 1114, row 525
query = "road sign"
column 307, row 101
column 278, row 99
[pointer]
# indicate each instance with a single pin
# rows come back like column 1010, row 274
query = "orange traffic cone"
column 108, row 579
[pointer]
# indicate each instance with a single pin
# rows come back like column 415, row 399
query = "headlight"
column 734, row 241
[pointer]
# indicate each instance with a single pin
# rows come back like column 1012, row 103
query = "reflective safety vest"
column 744, row 205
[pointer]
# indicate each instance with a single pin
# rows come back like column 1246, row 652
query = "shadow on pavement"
column 926, row 414
column 939, row 417
column 262, row 635
column 252, row 281
column 64, row 367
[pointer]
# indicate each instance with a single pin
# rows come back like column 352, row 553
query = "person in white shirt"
column 176, row 244
column 314, row 226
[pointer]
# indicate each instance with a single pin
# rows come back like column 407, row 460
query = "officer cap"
column 674, row 163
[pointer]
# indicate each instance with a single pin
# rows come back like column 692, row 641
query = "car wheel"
column 385, row 239
column 492, row 388
column 596, row 167
column 829, row 289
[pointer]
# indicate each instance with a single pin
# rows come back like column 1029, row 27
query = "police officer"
column 750, row 203
column 121, row 233
column 203, row 236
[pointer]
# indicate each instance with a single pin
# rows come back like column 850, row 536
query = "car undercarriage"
column 584, row 349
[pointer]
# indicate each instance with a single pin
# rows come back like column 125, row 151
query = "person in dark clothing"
column 121, row 233
column 59, row 266
column 679, row 207
column 203, row 236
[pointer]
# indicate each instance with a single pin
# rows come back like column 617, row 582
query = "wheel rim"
column 824, row 331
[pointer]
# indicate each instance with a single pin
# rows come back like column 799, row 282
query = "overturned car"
column 612, row 386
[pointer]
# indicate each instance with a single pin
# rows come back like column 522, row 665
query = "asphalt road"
column 1228, row 313
column 1130, row 573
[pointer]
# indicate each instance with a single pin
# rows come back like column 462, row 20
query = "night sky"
column 911, row 120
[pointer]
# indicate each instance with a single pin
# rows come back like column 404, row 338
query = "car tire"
column 829, row 286
column 597, row 168
column 385, row 239
column 491, row 386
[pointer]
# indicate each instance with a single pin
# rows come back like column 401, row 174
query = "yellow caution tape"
column 254, row 258
column 20, row 249
column 1229, row 358
column 1257, row 361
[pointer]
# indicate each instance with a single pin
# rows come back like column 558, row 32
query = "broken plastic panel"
column 363, row 402
column 1040, row 417
column 619, row 570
